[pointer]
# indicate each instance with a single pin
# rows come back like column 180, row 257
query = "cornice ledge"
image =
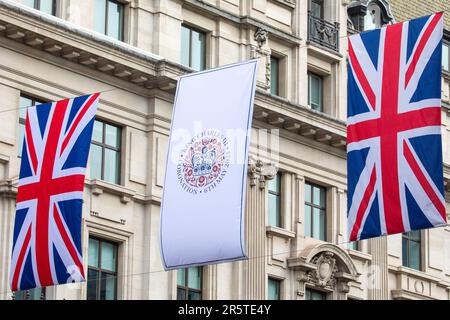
column 245, row 20
column 280, row 232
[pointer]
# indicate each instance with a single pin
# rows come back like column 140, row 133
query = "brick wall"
column 410, row 9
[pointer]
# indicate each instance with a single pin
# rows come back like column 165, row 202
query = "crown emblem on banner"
column 202, row 163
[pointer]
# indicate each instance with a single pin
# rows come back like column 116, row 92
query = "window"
column 105, row 152
column 102, row 270
column 31, row 294
column 274, row 76
column 354, row 245
column 411, row 252
column 315, row 91
column 316, row 7
column 315, row 211
column 273, row 289
column 108, row 18
column 189, row 284
column 446, row 57
column 47, row 6
column 24, row 102
column 311, row 294
column 193, row 48
column 274, row 201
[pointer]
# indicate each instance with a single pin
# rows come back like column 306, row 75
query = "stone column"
column 378, row 272
column 8, row 192
column 255, row 230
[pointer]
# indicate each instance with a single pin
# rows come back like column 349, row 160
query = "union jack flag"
column 47, row 232
column 394, row 150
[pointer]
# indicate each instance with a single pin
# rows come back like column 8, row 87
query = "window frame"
column 407, row 236
column 276, row 59
column 186, row 287
column 279, row 283
column 321, row 80
column 37, row 6
column 446, row 43
column 122, row 22
column 105, row 146
column 313, row 290
column 322, row 9
column 277, row 194
column 312, row 205
column 27, row 294
column 104, row 271
column 22, row 121
column 191, row 29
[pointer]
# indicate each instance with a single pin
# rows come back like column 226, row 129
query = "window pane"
column 47, row 6
column 274, row 76
column 20, row 138
column 29, row 3
column 181, row 294
column 405, row 261
column 95, row 161
column 108, row 287
column 92, row 284
column 445, row 57
column 316, row 196
column 23, row 104
column 353, row 245
column 307, row 221
column 314, row 295
column 414, row 255
column 274, row 210
column 322, row 225
column 185, row 39
column 115, row 17
column 307, row 193
column 181, row 277
column 109, row 256
column 93, row 253
column 315, row 92
column 99, row 15
column 112, row 136
column 273, row 290
column 192, row 295
column 316, row 8
column 111, row 173
column 198, row 50
column 194, row 278
column 31, row 294
column 414, row 235
column 97, row 134
column 275, row 184
column 316, row 224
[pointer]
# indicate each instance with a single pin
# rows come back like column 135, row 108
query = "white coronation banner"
column 202, row 210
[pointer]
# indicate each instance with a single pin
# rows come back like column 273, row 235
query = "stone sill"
column 418, row 274
column 98, row 187
column 359, row 255
column 280, row 232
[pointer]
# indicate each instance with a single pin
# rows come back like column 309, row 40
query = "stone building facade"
column 133, row 51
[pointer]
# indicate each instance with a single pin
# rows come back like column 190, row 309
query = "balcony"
column 323, row 33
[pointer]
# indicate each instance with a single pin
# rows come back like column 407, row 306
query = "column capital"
column 258, row 170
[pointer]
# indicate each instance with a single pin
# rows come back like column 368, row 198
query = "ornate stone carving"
column 326, row 269
column 259, row 171
column 260, row 36
column 325, row 266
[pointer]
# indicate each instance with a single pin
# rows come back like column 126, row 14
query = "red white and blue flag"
column 394, row 143
column 47, row 232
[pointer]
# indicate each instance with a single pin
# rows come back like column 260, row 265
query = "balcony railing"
column 323, row 32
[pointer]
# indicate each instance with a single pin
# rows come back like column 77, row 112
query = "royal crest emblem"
column 204, row 162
